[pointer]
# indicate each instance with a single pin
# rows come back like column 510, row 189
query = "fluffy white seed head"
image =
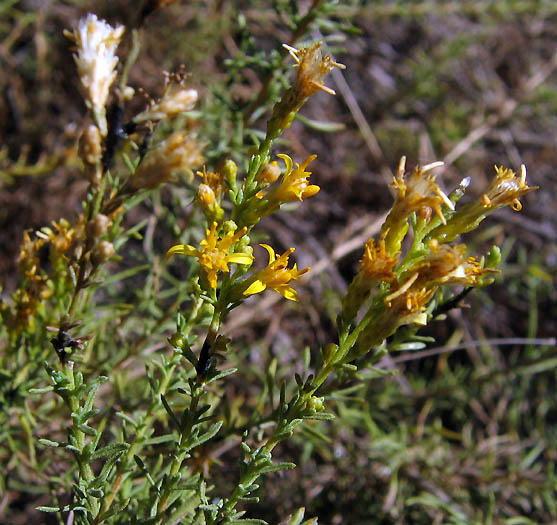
column 96, row 43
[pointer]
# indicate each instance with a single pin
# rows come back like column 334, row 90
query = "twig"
column 550, row 341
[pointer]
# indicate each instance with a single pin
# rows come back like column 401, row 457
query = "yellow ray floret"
column 213, row 255
column 276, row 275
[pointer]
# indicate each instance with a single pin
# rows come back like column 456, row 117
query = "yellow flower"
column 419, row 193
column 294, row 186
column 446, row 264
column 175, row 100
column 406, row 305
column 276, row 276
column 506, row 189
column 376, row 264
column 269, row 174
column 213, row 255
column 312, row 68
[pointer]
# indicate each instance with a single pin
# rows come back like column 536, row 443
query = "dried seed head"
column 174, row 101
column 312, row 68
column 179, row 152
column 96, row 43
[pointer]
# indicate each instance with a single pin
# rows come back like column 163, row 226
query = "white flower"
column 96, row 42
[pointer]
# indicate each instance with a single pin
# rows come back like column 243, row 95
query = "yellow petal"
column 310, row 191
column 287, row 160
column 255, row 287
column 289, row 293
column 240, row 258
column 184, row 249
column 270, row 251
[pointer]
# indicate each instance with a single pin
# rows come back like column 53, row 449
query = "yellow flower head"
column 376, row 265
column 213, row 255
column 269, row 174
column 418, row 191
column 506, row 189
column 446, row 264
column 312, row 68
column 407, row 304
column 212, row 179
column 294, row 185
column 276, row 276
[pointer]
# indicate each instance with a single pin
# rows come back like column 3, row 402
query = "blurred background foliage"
column 466, row 431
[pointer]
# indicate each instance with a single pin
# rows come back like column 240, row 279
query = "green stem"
column 77, row 437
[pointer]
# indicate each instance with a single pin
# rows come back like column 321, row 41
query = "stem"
column 176, row 464
column 77, row 437
column 134, row 448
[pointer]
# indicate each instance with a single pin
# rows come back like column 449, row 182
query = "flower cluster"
column 176, row 99
column 398, row 292
column 312, row 68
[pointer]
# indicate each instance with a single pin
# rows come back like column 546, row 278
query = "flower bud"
column 90, row 145
column 105, row 250
column 211, row 208
column 229, row 171
column 315, row 404
column 98, row 226
column 269, row 174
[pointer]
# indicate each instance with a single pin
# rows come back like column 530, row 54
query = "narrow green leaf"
column 127, row 418
column 48, row 443
column 297, row 517
column 160, row 439
column 48, row 509
column 87, row 430
column 321, row 416
column 41, row 390
column 170, row 412
column 126, row 274
column 213, row 429
column 114, row 510
column 319, row 125
column 285, row 465
column 222, row 374
column 247, row 521
column 109, row 450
